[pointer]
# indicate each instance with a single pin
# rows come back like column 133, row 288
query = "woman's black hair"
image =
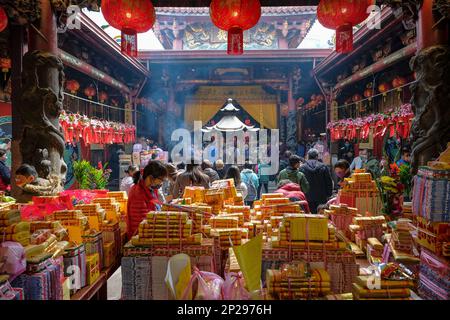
column 2, row 152
column 233, row 172
column 27, row 171
column 196, row 175
column 342, row 164
column 154, row 168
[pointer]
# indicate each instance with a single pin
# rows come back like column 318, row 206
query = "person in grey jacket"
column 207, row 169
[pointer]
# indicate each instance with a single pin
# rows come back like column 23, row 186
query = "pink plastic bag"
column 209, row 286
column 234, row 287
column 12, row 259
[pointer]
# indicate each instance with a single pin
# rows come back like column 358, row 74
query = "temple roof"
column 188, row 28
column 266, row 11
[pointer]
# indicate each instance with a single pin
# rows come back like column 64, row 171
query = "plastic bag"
column 178, row 275
column 234, row 287
column 12, row 259
column 209, row 286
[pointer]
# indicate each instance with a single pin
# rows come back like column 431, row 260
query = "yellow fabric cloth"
column 210, row 99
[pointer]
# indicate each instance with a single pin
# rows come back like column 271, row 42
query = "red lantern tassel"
column 235, row 41
column 129, row 42
column 344, row 38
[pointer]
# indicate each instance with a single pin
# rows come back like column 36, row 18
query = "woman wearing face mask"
column 143, row 196
column 342, row 171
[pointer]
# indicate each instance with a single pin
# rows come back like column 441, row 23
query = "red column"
column 47, row 27
column 426, row 35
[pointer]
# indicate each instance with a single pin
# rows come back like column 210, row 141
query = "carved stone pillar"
column 291, row 121
column 430, row 101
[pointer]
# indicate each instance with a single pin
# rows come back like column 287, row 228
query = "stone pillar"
column 39, row 140
column 291, row 122
column 430, row 100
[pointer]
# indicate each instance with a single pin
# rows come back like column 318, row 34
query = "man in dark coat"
column 319, row 178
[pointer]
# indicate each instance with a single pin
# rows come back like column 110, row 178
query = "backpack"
column 252, row 192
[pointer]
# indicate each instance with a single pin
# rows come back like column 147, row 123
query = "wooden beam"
column 378, row 66
column 212, row 56
column 91, row 71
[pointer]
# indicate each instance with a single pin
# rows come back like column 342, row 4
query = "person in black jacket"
column 319, row 178
column 5, row 172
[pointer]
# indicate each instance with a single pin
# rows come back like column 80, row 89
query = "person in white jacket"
column 127, row 182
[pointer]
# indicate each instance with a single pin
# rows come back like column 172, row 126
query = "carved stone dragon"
column 42, row 142
column 430, row 101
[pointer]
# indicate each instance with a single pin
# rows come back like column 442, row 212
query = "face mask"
column 340, row 174
column 156, row 187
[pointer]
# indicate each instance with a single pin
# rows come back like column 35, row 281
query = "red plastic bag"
column 209, row 286
column 234, row 287
column 12, row 259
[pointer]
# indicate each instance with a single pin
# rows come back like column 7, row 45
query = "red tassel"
column 129, row 42
column 235, row 41
column 344, row 38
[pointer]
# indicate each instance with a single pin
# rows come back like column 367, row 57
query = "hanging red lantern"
column 5, row 65
column 398, row 82
column 103, row 96
column 342, row 15
column 89, row 92
column 3, row 19
column 73, row 86
column 131, row 17
column 247, row 122
column 384, row 87
column 235, row 16
column 357, row 97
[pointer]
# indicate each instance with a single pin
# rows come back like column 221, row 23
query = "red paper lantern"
column 356, row 97
column 383, row 87
column 247, row 122
column 235, row 16
column 73, row 86
column 131, row 17
column 103, row 96
column 89, row 92
column 3, row 19
column 398, row 82
column 342, row 15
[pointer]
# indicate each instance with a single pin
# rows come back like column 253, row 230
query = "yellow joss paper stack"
column 374, row 250
column 245, row 210
column 166, row 228
column 224, row 222
column 238, row 216
column 55, row 228
column 373, row 288
column 361, row 192
column 74, row 221
column 306, row 230
column 401, row 238
column 111, row 207
column 215, row 198
column 197, row 194
column 12, row 229
column 297, row 284
column 226, row 235
column 229, row 188
column 96, row 215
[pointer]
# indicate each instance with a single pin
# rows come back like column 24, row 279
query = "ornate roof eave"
column 266, row 11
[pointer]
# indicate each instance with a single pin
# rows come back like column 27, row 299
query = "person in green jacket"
column 293, row 174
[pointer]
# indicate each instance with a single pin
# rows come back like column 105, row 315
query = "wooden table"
column 99, row 289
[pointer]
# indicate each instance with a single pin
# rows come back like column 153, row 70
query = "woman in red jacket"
column 143, row 196
column 293, row 192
